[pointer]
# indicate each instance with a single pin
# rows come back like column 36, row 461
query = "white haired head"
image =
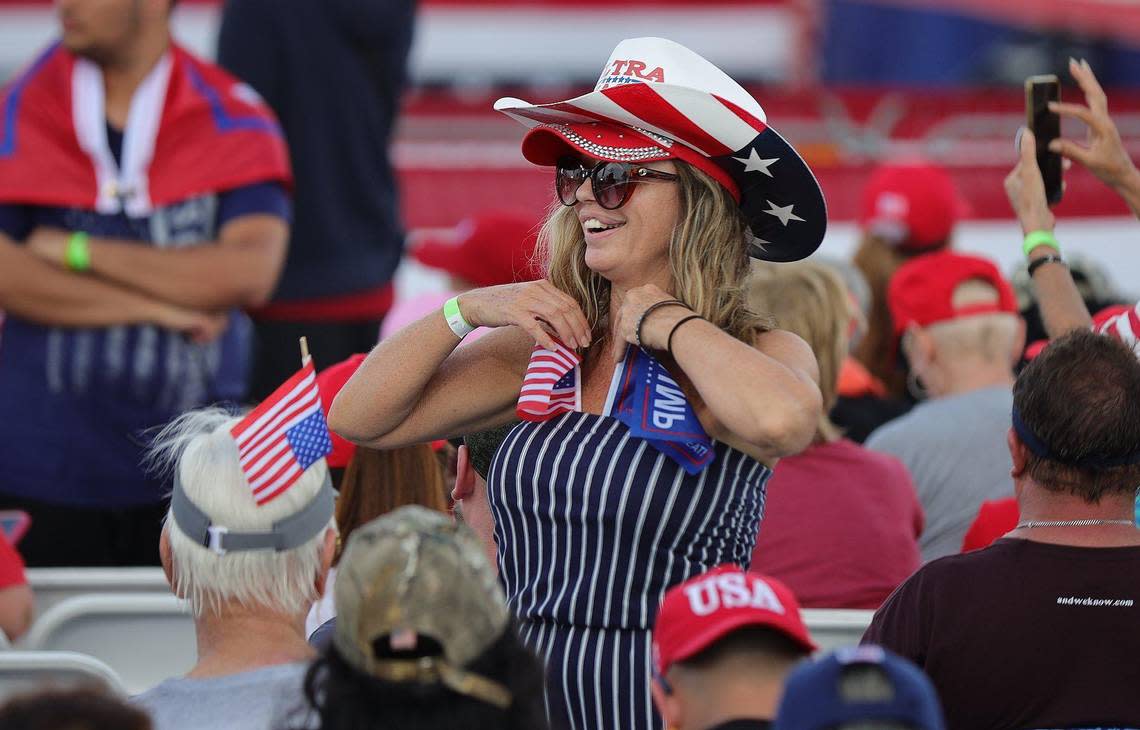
column 197, row 446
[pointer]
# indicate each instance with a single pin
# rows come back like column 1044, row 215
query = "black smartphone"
column 1046, row 127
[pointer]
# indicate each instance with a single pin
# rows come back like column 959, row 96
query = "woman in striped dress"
column 654, row 402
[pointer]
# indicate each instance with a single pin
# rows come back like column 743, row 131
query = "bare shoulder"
column 790, row 350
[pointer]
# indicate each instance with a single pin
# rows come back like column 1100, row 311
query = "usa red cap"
column 913, row 205
column 921, row 292
column 702, row 610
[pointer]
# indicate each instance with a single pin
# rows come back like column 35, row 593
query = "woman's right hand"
column 538, row 307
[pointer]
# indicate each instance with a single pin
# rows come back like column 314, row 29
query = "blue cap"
column 816, row 696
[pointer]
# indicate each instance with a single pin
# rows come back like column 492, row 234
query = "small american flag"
column 283, row 436
column 552, row 384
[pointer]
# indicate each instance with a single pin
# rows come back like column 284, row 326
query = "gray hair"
column 199, row 446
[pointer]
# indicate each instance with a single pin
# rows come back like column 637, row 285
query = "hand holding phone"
column 1046, row 127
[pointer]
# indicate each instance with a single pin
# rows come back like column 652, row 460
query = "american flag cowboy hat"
column 658, row 100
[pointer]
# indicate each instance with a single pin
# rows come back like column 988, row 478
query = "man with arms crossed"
column 142, row 199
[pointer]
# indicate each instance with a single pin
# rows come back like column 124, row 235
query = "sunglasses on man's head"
column 612, row 181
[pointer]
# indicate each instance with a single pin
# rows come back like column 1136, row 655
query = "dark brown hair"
column 346, row 699
column 377, row 482
column 1081, row 399
column 878, row 260
column 76, row 709
column 758, row 643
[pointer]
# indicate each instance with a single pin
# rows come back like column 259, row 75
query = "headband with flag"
column 283, row 436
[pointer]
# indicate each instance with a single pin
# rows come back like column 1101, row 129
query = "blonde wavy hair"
column 708, row 258
column 811, row 300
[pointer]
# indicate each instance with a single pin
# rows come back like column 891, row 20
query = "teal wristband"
column 1034, row 239
column 455, row 319
column 77, row 256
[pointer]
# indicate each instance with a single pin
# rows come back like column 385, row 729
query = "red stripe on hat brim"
column 537, row 149
column 570, row 108
column 710, row 168
column 747, row 118
column 643, row 102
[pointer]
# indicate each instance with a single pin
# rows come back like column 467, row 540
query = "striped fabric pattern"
column 552, row 383
column 283, row 436
column 593, row 526
column 723, row 127
column 1124, row 327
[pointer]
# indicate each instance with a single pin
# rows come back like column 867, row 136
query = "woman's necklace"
column 1069, row 523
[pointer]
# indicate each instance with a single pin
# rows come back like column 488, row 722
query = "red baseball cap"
column 329, row 382
column 921, row 291
column 702, row 610
column 486, row 250
column 914, row 205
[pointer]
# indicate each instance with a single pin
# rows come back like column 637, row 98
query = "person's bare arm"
column 416, row 386
column 240, row 269
column 16, row 609
column 40, row 292
column 765, row 394
column 1062, row 309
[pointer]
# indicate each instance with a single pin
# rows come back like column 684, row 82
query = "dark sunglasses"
column 612, row 181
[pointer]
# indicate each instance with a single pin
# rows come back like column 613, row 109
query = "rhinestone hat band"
column 622, row 154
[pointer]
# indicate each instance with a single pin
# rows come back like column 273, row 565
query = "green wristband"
column 455, row 319
column 78, row 253
column 1033, row 239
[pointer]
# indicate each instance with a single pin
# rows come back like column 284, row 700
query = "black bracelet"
column 1036, row 264
column 683, row 320
column 650, row 308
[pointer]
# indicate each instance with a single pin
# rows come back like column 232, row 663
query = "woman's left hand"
column 655, row 329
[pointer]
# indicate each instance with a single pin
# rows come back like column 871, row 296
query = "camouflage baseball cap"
column 414, row 573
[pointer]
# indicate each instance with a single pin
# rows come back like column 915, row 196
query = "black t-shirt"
column 743, row 724
column 1024, row 634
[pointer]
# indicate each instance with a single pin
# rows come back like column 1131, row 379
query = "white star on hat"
column 784, row 213
column 753, row 163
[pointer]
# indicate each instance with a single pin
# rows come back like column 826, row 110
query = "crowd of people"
column 592, row 485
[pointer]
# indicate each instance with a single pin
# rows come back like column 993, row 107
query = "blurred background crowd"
column 390, row 186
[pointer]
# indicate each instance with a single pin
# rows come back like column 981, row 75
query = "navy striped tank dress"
column 593, row 525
